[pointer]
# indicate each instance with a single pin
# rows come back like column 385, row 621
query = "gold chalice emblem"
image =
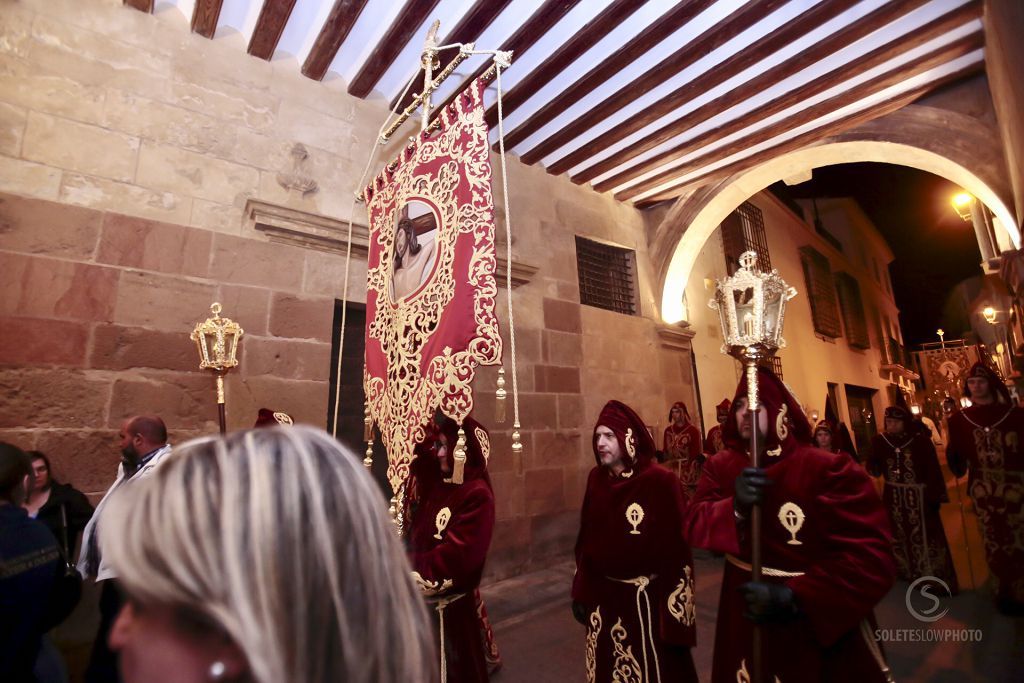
column 792, row 518
column 634, row 515
column 444, row 515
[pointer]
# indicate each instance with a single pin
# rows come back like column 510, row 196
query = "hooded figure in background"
column 827, row 555
column 634, row 588
column 450, row 512
column 682, row 447
column 272, row 418
column 714, row 442
column 824, row 438
column 904, row 456
column 985, row 442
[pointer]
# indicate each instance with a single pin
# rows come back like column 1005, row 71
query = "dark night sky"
column 935, row 250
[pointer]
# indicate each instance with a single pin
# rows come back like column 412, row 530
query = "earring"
column 217, row 670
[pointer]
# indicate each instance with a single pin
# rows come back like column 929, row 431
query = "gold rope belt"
column 646, row 637
column 767, row 571
column 440, row 604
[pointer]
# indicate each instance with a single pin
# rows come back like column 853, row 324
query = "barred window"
column 821, row 292
column 774, row 364
column 852, row 306
column 743, row 230
column 607, row 276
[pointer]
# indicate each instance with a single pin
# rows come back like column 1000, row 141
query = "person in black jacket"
column 61, row 507
column 36, row 591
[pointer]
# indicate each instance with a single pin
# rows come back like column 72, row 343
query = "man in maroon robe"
column 985, row 443
column 682, row 446
column 827, row 555
column 904, row 456
column 450, row 506
column 713, row 442
column 634, row 587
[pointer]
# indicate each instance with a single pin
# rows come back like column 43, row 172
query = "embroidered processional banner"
column 431, row 289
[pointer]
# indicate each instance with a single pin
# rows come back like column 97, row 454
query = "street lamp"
column 990, row 315
column 962, row 205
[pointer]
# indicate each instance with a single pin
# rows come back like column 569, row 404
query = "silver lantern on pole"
column 751, row 306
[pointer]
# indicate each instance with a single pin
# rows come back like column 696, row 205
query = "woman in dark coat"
column 61, row 507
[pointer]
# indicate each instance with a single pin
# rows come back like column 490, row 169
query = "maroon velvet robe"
column 985, row 441
column 914, row 489
column 630, row 534
column 449, row 551
column 844, row 559
column 682, row 447
column 714, row 443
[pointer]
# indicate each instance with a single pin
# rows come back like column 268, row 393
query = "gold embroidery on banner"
column 630, row 443
column 781, row 428
column 444, row 515
column 634, row 515
column 592, row 633
column 402, row 401
column 626, row 669
column 792, row 518
column 485, row 442
column 680, row 602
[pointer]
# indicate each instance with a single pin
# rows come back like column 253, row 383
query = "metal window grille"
column 852, row 306
column 743, row 230
column 821, row 292
column 607, row 276
column 774, row 364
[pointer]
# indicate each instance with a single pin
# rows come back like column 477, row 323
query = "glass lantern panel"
column 772, row 314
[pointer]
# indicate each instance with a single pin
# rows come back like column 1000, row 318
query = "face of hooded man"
column 894, row 425
column 823, row 439
column 608, row 449
column 743, row 419
column 981, row 391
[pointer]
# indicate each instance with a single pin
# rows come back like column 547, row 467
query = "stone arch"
column 955, row 146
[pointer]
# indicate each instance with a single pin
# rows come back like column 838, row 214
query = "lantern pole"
column 217, row 342
column 751, row 306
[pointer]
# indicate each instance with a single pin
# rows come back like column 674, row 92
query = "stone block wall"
column 128, row 149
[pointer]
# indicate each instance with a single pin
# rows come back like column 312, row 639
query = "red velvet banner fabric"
column 430, row 283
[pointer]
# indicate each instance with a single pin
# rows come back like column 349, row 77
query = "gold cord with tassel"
column 367, row 423
column 459, row 466
column 499, row 397
column 368, row 460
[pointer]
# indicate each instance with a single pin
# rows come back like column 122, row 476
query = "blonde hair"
column 280, row 537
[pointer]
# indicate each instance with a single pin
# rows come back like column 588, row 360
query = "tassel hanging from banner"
column 459, row 465
column 499, row 398
column 367, row 424
column 368, row 460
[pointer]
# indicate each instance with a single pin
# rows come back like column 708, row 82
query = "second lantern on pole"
column 217, row 342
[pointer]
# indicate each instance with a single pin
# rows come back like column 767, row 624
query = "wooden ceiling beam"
column 585, row 38
column 738, row 63
column 475, row 22
column 845, row 72
column 141, row 5
column 859, row 93
column 810, row 138
column 269, row 27
column 332, row 34
column 204, row 17
column 725, row 30
column 402, row 29
column 539, row 23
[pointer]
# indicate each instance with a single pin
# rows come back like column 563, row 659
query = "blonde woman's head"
column 265, row 556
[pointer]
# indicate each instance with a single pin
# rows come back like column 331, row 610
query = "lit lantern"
column 217, row 342
column 752, row 308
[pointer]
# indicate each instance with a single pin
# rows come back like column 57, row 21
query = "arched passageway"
column 956, row 147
